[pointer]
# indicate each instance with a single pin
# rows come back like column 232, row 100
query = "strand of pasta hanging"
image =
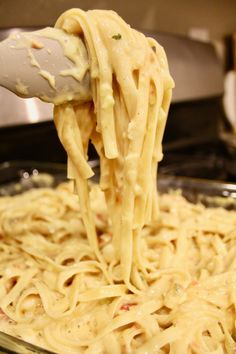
column 131, row 89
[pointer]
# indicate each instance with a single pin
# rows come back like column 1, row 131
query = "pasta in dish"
column 55, row 293
column 118, row 272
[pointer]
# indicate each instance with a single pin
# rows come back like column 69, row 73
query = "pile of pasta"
column 55, row 293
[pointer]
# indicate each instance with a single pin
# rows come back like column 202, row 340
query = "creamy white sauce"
column 73, row 49
column 33, row 61
column 49, row 77
column 21, row 88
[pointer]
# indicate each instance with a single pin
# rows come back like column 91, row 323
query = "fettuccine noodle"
column 118, row 272
column 131, row 88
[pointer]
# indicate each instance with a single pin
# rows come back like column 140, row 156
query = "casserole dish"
column 18, row 176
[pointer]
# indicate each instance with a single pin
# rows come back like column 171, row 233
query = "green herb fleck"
column 117, row 36
column 154, row 49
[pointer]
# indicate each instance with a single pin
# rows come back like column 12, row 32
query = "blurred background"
column 200, row 40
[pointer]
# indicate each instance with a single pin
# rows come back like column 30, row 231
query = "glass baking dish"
column 19, row 176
